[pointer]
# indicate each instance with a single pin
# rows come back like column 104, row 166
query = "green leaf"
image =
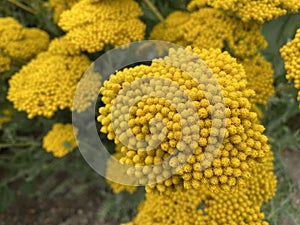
column 27, row 188
column 7, row 197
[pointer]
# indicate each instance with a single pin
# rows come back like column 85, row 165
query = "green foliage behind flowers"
column 26, row 168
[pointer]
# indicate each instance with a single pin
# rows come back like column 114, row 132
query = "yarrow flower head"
column 60, row 140
column 225, row 167
column 291, row 55
column 48, row 83
column 204, row 207
column 92, row 24
column 17, row 42
column 248, row 10
column 211, row 28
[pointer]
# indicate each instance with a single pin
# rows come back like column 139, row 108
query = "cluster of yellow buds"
column 291, row 55
column 60, row 140
column 92, row 24
column 248, row 10
column 202, row 207
column 48, row 83
column 18, row 43
column 243, row 139
column 210, row 28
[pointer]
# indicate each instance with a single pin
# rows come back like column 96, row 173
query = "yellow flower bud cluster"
column 248, row 10
column 203, row 207
column 260, row 77
column 243, row 141
column 48, row 83
column 92, row 24
column 60, row 140
column 5, row 116
column 116, row 187
column 210, row 28
column 18, row 42
column 59, row 6
column 291, row 55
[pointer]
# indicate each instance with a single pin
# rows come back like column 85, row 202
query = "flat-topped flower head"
column 20, row 43
column 211, row 28
column 247, row 10
column 48, row 83
column 170, row 127
column 92, row 24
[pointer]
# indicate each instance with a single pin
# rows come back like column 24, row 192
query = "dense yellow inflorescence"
column 20, row 43
column 243, row 141
column 260, row 78
column 210, row 28
column 247, row 10
column 203, row 207
column 48, row 83
column 92, row 24
column 60, row 140
column 116, row 187
column 59, row 6
column 291, row 55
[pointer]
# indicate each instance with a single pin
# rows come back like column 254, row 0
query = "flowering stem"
column 10, row 145
column 154, row 10
column 22, row 6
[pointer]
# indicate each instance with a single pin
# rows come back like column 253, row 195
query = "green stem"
column 154, row 10
column 19, row 145
column 22, row 6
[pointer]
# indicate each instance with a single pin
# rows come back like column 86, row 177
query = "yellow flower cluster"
column 92, row 24
column 59, row 6
column 243, row 141
column 5, row 116
column 247, row 10
column 203, row 207
column 291, row 55
column 260, row 78
column 48, row 83
column 18, row 42
column 210, row 28
column 116, row 187
column 60, row 140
